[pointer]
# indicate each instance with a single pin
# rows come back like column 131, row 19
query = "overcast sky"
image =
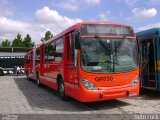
column 35, row 17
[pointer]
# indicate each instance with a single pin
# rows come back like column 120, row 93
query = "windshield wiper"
column 108, row 50
column 106, row 61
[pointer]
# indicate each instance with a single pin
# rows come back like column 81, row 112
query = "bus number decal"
column 108, row 78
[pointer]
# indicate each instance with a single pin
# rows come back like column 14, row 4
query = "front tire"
column 61, row 89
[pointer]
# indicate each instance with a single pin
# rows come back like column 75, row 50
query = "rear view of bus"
column 106, row 59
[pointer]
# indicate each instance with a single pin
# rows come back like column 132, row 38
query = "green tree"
column 27, row 42
column 17, row 42
column 48, row 35
column 6, row 43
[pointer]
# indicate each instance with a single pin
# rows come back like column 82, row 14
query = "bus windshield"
column 108, row 55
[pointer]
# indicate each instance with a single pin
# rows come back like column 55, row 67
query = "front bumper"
column 107, row 93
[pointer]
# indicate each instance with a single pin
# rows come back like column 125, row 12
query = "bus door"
column 45, row 65
column 148, row 58
column 45, row 62
column 71, row 72
column 34, row 64
column 55, row 59
column 31, row 65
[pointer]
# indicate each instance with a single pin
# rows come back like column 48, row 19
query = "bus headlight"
column 135, row 81
column 88, row 85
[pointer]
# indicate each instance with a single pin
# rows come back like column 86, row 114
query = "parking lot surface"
column 19, row 96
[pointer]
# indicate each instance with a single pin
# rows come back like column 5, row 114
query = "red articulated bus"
column 90, row 61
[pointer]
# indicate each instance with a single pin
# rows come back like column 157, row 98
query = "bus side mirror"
column 76, row 40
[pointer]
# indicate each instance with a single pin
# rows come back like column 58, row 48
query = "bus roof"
column 149, row 31
column 77, row 26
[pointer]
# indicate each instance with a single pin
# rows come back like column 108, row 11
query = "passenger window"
column 54, row 50
column 59, row 49
column 70, row 47
column 46, row 53
column 37, row 55
column 51, row 51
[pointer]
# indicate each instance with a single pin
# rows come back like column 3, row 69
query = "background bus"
column 149, row 41
column 90, row 61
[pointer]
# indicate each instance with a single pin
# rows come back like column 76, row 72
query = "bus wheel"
column 38, row 81
column 61, row 90
column 27, row 75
